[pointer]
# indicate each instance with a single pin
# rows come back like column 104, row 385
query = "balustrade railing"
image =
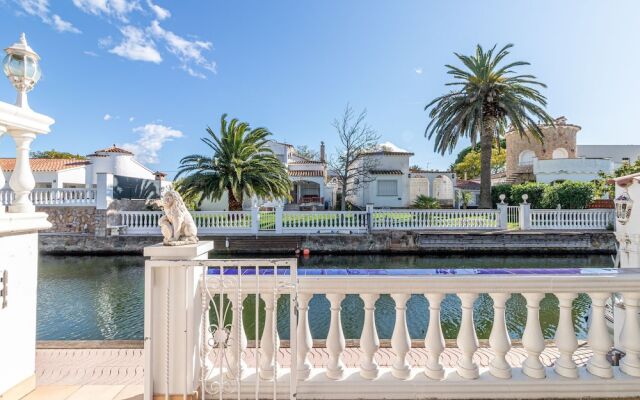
column 233, row 367
column 513, row 214
column 54, row 197
column 229, row 221
column 572, row 219
column 435, row 219
column 324, row 221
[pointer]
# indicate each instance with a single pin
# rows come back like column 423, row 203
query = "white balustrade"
column 54, row 197
column 237, row 341
column 513, row 214
column 572, row 219
column 222, row 221
column 324, row 221
column 435, row 219
column 398, row 378
column 6, row 197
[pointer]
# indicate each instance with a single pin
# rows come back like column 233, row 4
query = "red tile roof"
column 44, row 164
column 305, row 173
column 385, row 172
column 114, row 149
column 467, row 185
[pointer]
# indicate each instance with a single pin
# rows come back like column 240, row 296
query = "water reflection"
column 103, row 298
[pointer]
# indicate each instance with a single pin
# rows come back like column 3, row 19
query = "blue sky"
column 152, row 75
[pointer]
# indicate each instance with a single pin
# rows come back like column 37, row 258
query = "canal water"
column 90, row 298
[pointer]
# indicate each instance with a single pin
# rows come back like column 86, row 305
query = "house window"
column 560, row 152
column 387, row 188
column 526, row 158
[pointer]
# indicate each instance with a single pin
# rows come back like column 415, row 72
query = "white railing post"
column 499, row 337
column 467, row 339
column 400, row 340
column 504, row 215
column 434, row 341
column 566, row 337
column 104, row 190
column 22, row 181
column 598, row 336
column 279, row 215
column 369, row 342
column 335, row 338
column 525, row 216
column 255, row 220
column 532, row 339
column 630, row 335
column 305, row 341
column 369, row 210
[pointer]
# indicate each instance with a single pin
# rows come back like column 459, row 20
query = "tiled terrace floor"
column 117, row 374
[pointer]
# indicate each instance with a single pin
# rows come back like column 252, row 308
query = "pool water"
column 88, row 298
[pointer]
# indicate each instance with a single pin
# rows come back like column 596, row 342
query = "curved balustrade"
column 324, row 221
column 402, row 378
column 572, row 219
column 435, row 219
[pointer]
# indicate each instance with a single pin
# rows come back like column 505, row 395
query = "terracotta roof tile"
column 114, row 149
column 385, row 172
column 44, row 164
column 306, row 173
column 467, row 185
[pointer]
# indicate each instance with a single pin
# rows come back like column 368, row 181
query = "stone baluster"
column 630, row 335
column 237, row 342
column 335, row 338
column 599, row 340
column 22, row 181
column 499, row 337
column 305, row 341
column 566, row 337
column 434, row 341
column 467, row 340
column 269, row 343
column 369, row 342
column 532, row 339
column 400, row 340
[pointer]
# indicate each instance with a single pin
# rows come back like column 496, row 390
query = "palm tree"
column 241, row 164
column 489, row 99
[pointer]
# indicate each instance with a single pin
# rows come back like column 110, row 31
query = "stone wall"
column 71, row 219
column 391, row 242
column 563, row 135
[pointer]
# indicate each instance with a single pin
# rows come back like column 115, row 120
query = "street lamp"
column 624, row 204
column 21, row 65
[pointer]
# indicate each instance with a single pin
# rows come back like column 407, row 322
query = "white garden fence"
column 54, row 197
column 324, row 221
column 435, row 219
column 572, row 219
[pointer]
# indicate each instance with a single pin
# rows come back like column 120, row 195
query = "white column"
column 598, row 337
column 22, row 181
column 237, row 342
column 270, row 340
column 566, row 337
column 279, row 213
column 434, row 341
column 400, row 340
column 504, row 215
column 499, row 337
column 104, row 190
column 369, row 342
column 255, row 222
column 630, row 335
column 525, row 216
column 335, row 338
column 305, row 341
column 467, row 339
column 532, row 339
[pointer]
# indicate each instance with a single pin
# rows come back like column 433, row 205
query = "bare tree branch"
column 356, row 138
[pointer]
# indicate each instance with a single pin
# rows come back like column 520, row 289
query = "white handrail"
column 572, row 219
column 435, row 219
column 54, row 197
column 324, row 221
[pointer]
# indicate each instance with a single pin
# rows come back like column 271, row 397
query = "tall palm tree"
column 240, row 164
column 490, row 98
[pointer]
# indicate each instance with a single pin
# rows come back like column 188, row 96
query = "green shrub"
column 569, row 194
column 497, row 190
column 535, row 191
column 423, row 201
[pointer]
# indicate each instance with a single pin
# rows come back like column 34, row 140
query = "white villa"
column 74, row 173
column 395, row 185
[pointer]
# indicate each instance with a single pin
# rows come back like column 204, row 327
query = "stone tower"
column 559, row 142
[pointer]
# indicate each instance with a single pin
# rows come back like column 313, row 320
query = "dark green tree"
column 489, row 98
column 240, row 163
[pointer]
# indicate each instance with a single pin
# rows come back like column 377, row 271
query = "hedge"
column 534, row 190
column 569, row 194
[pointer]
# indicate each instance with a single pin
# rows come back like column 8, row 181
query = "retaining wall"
column 379, row 242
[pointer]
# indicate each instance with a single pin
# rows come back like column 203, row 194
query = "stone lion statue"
column 177, row 225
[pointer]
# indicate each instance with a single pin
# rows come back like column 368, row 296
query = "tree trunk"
column 486, row 144
column 234, row 204
column 343, row 198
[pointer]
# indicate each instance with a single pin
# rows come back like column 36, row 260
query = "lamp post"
column 21, row 65
column 624, row 204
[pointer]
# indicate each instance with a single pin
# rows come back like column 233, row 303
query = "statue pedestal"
column 173, row 304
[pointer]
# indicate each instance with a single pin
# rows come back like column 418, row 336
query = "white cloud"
column 418, row 70
column 137, row 46
column 152, row 138
column 131, row 119
column 40, row 9
column 161, row 13
column 119, row 9
column 189, row 52
column 107, row 117
column 90, row 53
